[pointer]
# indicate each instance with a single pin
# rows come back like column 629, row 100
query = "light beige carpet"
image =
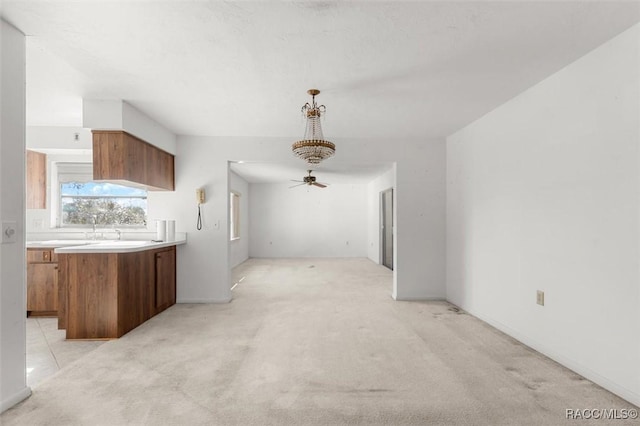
column 312, row 342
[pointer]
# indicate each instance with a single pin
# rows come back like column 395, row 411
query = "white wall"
column 13, row 381
column 203, row 269
column 203, row 273
column 308, row 221
column 374, row 188
column 59, row 138
column 120, row 115
column 239, row 249
column 543, row 194
column 420, row 225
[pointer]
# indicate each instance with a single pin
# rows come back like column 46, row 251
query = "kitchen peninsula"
column 106, row 289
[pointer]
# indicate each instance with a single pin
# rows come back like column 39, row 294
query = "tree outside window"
column 108, row 204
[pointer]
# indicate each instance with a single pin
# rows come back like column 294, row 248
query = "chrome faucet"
column 95, row 220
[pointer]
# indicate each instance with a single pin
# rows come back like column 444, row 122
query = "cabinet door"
column 118, row 155
column 165, row 262
column 42, row 287
column 36, row 180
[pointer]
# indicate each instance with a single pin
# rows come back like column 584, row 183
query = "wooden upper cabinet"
column 36, row 180
column 119, row 156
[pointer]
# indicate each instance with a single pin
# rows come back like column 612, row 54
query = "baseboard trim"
column 210, row 301
column 418, row 298
column 582, row 370
column 15, row 399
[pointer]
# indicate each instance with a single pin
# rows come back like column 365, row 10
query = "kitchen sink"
column 71, row 243
column 64, row 242
column 122, row 243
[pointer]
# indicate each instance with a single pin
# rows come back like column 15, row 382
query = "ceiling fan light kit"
column 313, row 148
column 309, row 180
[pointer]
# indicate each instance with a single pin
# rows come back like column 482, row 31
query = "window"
column 234, row 215
column 83, row 202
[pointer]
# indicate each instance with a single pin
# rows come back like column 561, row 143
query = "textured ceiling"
column 386, row 69
column 328, row 172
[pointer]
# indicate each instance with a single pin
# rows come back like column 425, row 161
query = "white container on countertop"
column 161, row 230
column 171, row 230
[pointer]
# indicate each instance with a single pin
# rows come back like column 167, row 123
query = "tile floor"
column 48, row 351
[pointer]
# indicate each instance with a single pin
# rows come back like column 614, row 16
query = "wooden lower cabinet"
column 108, row 294
column 42, row 288
column 42, row 282
column 165, row 279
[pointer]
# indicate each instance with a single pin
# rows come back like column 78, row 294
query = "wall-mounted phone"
column 200, row 198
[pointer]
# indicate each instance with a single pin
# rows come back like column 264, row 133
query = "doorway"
column 386, row 227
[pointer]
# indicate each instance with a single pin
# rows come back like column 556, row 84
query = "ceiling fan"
column 309, row 180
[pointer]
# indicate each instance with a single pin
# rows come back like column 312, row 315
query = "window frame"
column 82, row 172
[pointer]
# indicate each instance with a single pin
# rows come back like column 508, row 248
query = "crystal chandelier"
column 313, row 148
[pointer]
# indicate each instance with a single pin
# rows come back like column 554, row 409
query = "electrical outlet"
column 540, row 298
column 8, row 232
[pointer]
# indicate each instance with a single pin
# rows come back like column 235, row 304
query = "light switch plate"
column 540, row 298
column 9, row 232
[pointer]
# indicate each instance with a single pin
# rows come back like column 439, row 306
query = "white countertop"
column 50, row 244
column 102, row 246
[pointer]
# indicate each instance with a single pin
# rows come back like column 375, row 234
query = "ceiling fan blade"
column 319, row 185
column 292, row 180
column 297, row 185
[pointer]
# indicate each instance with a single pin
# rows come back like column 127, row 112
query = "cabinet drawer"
column 40, row 255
